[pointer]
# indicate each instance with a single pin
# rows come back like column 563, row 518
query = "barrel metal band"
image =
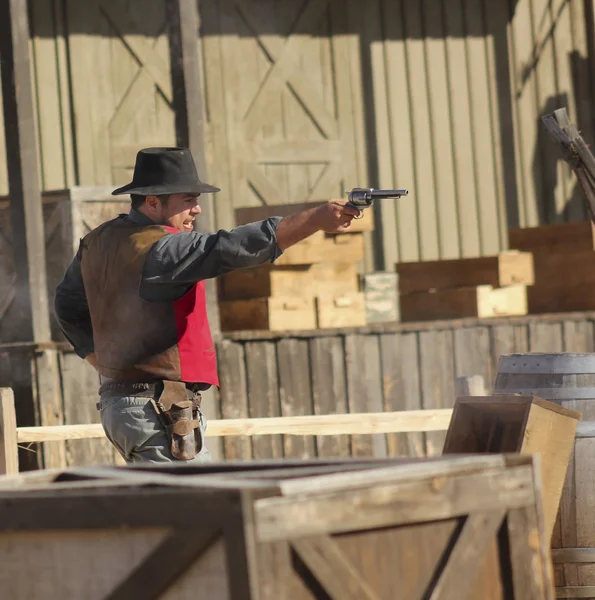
column 548, row 364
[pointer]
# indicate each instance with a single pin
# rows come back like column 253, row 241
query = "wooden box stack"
column 484, row 287
column 564, row 263
column 459, row 527
column 313, row 284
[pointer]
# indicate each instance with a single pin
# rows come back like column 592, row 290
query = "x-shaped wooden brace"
column 286, row 70
column 153, row 70
column 341, row 580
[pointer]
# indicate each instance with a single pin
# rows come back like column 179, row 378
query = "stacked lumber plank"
column 313, row 284
column 490, row 286
column 564, row 265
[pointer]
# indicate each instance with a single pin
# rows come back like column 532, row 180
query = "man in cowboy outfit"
column 132, row 302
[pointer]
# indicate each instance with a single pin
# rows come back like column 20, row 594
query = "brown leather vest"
column 135, row 339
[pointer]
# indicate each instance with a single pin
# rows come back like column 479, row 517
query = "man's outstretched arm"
column 177, row 261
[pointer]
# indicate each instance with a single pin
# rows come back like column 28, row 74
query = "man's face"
column 179, row 211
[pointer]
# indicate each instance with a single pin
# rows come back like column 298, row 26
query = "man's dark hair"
column 137, row 200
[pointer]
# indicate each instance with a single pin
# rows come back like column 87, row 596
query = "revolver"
column 364, row 197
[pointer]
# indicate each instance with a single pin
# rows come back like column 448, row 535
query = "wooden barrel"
column 567, row 379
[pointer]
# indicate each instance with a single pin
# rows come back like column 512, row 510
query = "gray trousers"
column 133, row 427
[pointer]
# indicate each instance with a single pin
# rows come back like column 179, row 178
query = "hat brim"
column 158, row 190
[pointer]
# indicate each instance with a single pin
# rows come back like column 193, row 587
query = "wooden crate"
column 273, row 314
column 559, row 237
column 319, row 279
column 455, row 527
column 525, row 424
column 506, row 268
column 339, row 248
column 348, row 310
column 482, row 301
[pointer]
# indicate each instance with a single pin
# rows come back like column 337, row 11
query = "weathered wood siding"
column 284, row 101
column 371, row 369
column 103, row 89
column 306, row 98
column 459, row 88
column 550, row 67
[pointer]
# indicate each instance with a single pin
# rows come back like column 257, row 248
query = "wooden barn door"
column 121, row 84
column 285, row 115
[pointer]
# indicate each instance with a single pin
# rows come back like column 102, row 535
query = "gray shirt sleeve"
column 72, row 310
column 178, row 261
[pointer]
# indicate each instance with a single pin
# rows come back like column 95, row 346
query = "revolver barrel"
column 363, row 197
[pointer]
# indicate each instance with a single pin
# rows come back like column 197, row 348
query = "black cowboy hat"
column 165, row 171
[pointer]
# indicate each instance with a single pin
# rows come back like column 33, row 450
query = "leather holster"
column 179, row 411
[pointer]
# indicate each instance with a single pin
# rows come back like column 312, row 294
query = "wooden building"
column 298, row 100
column 306, row 98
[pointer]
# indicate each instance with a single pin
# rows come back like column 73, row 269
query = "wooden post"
column 30, row 309
column 9, row 456
column 470, row 386
column 183, row 20
column 23, row 174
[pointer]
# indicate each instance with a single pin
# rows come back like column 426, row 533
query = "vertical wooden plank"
column 399, row 357
column 472, row 352
column 529, row 566
column 342, row 39
column 525, row 95
column 28, row 242
column 546, row 19
column 50, row 108
column 329, row 390
column 80, row 383
column 436, row 351
column 217, row 157
column 425, row 182
column 482, row 134
column 506, row 339
column 402, row 135
column 460, row 114
column 441, row 128
column 545, row 337
column 501, row 121
column 380, row 112
column 364, row 387
column 581, row 63
column 47, row 395
column 263, row 394
column 295, row 393
column 9, row 456
column 90, row 42
column 234, row 396
column 571, row 208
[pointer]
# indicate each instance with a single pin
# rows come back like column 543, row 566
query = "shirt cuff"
column 272, row 223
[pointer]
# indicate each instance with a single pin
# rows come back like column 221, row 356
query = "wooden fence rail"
column 408, row 421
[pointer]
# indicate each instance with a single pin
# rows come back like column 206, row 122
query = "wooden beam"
column 9, row 456
column 336, row 424
column 23, row 173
